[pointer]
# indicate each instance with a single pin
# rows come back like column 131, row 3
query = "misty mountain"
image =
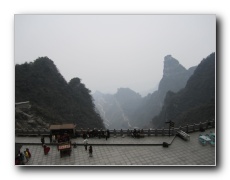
column 174, row 78
column 196, row 102
column 116, row 109
column 52, row 98
column 129, row 106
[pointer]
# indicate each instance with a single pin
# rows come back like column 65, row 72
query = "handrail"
column 146, row 132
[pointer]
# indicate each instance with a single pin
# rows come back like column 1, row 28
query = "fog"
column 112, row 51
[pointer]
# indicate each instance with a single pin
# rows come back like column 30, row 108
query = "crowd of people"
column 95, row 133
column 22, row 157
column 137, row 133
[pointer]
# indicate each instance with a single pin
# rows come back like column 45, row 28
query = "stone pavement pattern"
column 180, row 152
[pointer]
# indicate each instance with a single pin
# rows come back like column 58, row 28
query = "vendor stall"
column 64, row 148
column 62, row 129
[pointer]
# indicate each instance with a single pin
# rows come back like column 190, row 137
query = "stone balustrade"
column 126, row 132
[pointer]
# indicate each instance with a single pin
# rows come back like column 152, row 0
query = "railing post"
column 149, row 132
column 200, row 127
column 114, row 133
column 142, row 131
column 173, row 131
column 128, row 132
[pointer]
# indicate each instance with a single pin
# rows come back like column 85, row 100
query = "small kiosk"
column 62, row 134
column 61, row 129
column 64, row 148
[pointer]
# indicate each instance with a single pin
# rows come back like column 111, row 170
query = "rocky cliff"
column 128, row 106
column 194, row 103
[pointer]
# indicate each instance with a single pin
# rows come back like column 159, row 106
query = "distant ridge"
column 117, row 108
column 135, row 111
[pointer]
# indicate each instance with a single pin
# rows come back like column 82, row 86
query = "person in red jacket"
column 46, row 149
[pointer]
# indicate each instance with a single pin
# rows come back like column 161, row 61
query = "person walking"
column 46, row 149
column 53, row 138
column 90, row 151
column 85, row 143
column 50, row 136
column 18, row 158
column 28, row 151
column 43, row 140
column 106, row 135
column 26, row 156
column 22, row 159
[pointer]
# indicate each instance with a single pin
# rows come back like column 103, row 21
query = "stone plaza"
column 125, row 151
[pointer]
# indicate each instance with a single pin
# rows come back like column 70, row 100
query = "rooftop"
column 62, row 126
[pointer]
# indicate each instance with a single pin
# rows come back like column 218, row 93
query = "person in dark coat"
column 42, row 140
column 90, row 151
column 17, row 160
column 22, row 158
column 50, row 136
column 108, row 133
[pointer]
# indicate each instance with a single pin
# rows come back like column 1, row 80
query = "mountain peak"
column 172, row 66
column 174, row 77
column 126, row 92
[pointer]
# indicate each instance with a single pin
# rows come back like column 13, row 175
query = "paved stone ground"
column 179, row 153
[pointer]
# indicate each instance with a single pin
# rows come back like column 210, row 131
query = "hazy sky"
column 112, row 51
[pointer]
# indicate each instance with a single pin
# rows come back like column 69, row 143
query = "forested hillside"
column 52, row 98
